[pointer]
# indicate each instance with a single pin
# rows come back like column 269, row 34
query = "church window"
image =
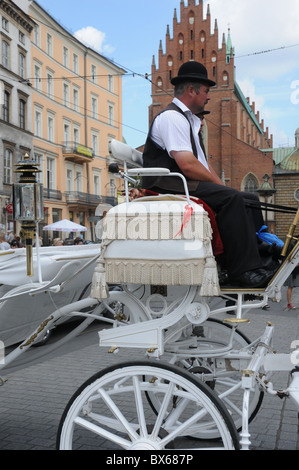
column 251, row 184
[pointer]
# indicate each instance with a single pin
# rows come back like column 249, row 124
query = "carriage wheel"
column 110, row 411
column 226, row 383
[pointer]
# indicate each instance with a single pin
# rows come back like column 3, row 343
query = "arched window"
column 159, row 84
column 251, row 184
column 225, row 78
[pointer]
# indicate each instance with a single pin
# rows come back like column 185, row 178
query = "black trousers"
column 237, row 224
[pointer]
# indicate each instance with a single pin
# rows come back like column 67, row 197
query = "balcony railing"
column 77, row 153
column 79, row 198
column 52, row 194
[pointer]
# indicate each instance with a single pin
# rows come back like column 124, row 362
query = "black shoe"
column 253, row 279
column 223, row 278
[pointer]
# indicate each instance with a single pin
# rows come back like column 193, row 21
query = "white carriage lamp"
column 28, row 203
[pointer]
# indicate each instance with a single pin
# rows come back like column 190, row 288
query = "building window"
column 95, row 144
column 50, row 128
column 5, row 54
column 21, row 37
column 49, row 45
column 97, row 184
column 5, row 24
column 50, row 173
column 7, row 177
column 22, row 110
column 76, row 136
column 66, row 133
column 65, row 56
column 37, row 77
column 225, row 77
column 50, row 90
column 75, row 63
column 6, row 106
column 93, row 73
column 111, row 114
column 110, row 83
column 66, row 94
column 69, row 180
column 22, row 65
column 251, row 185
column 36, row 35
column 78, row 180
column 112, row 187
column 39, row 160
column 94, row 108
column 76, row 99
column 38, row 123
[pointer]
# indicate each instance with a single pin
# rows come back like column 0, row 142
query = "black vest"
column 156, row 157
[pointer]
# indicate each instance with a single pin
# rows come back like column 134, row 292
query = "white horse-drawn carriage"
column 201, row 381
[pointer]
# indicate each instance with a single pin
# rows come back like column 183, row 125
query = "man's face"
column 201, row 98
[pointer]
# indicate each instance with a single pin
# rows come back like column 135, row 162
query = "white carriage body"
column 21, row 308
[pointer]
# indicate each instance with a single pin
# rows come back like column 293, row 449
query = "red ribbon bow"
column 187, row 216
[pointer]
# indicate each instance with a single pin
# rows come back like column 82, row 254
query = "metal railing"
column 52, row 194
column 78, row 197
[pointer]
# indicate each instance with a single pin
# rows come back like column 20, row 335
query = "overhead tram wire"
column 129, row 72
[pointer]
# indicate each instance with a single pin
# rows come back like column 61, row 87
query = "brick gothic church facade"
column 237, row 144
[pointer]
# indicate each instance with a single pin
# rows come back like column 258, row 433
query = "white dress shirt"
column 171, row 131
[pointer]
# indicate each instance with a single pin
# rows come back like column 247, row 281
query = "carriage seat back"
column 157, row 241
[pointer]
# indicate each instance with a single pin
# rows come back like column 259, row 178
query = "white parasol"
column 65, row 226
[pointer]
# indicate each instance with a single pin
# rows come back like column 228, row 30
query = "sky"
column 264, row 33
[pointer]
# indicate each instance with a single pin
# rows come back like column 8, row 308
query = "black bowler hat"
column 193, row 71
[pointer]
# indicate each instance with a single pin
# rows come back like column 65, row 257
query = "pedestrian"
column 58, row 242
column 78, row 241
column 14, row 244
column 3, row 243
column 173, row 143
column 291, row 282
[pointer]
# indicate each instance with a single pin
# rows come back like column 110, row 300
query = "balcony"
column 77, row 153
column 77, row 198
column 52, row 194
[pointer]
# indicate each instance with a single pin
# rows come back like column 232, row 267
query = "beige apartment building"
column 15, row 101
column 76, row 110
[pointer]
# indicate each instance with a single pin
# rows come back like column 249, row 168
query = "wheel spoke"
column 139, row 407
column 124, row 443
column 181, row 429
column 118, row 414
column 163, row 410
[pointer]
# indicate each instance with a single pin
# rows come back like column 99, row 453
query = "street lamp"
column 28, row 203
column 266, row 191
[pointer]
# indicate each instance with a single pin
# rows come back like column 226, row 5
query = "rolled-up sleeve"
column 172, row 132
